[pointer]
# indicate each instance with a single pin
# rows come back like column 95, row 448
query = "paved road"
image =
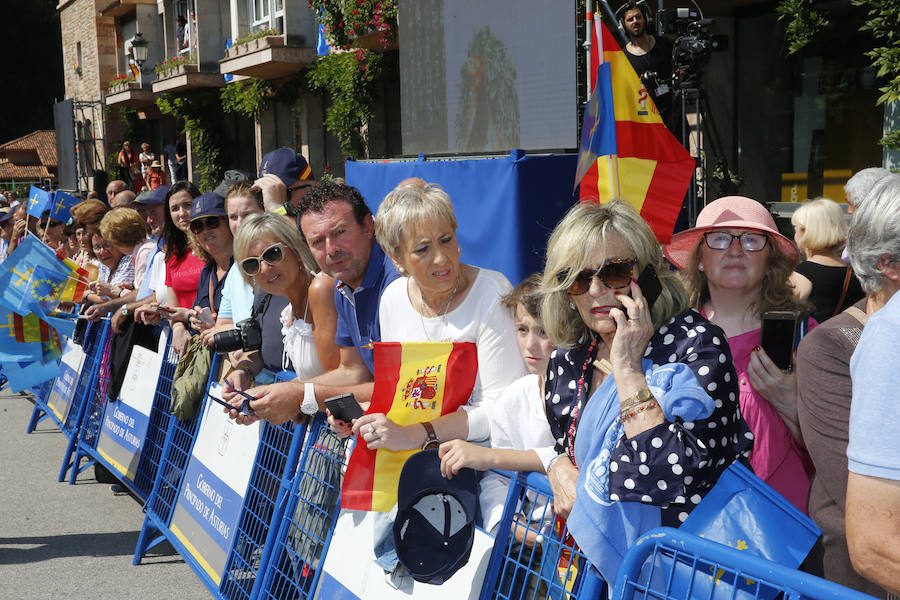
column 63, row 541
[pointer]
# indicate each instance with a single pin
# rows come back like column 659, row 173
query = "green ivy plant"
column 201, row 112
column 802, row 22
column 348, row 79
column 247, row 97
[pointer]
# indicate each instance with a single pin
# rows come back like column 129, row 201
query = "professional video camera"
column 691, row 48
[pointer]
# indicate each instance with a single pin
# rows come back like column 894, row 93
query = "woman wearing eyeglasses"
column 640, row 394
column 737, row 266
column 273, row 257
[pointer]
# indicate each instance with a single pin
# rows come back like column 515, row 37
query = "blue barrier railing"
column 95, row 340
column 668, row 564
column 302, row 536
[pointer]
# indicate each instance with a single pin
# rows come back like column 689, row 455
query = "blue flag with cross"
column 38, row 201
column 18, row 278
column 61, row 206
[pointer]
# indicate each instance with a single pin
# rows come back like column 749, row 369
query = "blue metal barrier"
column 273, row 472
column 303, row 533
column 668, row 564
column 95, row 340
column 150, row 450
column 531, row 557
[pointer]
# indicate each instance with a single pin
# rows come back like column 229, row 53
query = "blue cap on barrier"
column 435, row 523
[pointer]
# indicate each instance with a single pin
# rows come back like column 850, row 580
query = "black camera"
column 246, row 336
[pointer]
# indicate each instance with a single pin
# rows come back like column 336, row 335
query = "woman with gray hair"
column 641, row 393
column 273, row 257
column 440, row 299
column 823, row 377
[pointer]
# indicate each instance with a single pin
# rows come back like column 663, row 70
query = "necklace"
column 444, row 307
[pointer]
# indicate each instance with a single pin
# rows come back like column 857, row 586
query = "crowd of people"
column 631, row 373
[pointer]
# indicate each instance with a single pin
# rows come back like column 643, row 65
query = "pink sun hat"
column 730, row 212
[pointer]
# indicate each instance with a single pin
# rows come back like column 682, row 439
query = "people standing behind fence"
column 176, row 285
column 641, row 392
column 6, row 228
column 51, row 231
column 126, row 231
column 737, row 266
column 115, row 278
column 825, row 393
column 823, row 279
column 440, row 298
column 873, row 452
column 273, row 257
column 338, row 227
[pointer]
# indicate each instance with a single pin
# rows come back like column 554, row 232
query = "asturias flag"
column 414, row 382
column 626, row 150
column 38, row 202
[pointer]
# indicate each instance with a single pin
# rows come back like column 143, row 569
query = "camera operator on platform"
column 650, row 56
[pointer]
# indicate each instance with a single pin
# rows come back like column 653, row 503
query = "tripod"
column 698, row 133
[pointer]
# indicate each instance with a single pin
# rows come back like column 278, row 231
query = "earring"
column 571, row 305
column 700, row 266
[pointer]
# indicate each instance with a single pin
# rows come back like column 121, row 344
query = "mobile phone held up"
column 650, row 286
column 781, row 333
column 344, row 407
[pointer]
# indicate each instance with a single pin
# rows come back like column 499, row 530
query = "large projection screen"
column 487, row 75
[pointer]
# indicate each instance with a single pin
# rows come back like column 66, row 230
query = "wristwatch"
column 642, row 395
column 124, row 310
column 431, row 438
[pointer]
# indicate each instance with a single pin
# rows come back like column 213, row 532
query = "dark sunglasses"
column 272, row 255
column 614, row 274
column 198, row 225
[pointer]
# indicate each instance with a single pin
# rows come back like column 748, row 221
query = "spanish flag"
column 76, row 283
column 626, row 150
column 414, row 382
column 31, row 328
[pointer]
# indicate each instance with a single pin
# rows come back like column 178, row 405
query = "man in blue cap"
column 284, row 177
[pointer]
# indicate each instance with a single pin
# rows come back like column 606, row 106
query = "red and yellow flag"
column 414, row 382
column 76, row 284
column 633, row 156
column 31, row 328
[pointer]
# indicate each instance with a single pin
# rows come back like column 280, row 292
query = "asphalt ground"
column 72, row 541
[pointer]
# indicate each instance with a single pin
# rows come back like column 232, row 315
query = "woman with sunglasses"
column 273, row 257
column 215, row 246
column 176, row 285
column 641, row 395
column 737, row 266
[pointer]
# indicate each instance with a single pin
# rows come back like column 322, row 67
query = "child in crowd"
column 520, row 433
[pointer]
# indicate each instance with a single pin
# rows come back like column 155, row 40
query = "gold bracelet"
column 637, row 409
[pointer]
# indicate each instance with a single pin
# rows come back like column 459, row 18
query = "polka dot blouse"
column 671, row 465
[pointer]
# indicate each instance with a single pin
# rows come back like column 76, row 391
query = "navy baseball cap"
column 6, row 214
column 435, row 524
column 157, row 196
column 209, row 204
column 288, row 164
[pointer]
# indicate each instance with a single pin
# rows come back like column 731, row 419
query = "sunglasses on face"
column 199, row 225
column 721, row 240
column 272, row 255
column 614, row 274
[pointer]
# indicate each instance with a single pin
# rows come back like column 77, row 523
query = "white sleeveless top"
column 299, row 344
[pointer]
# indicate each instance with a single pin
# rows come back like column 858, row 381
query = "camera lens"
column 227, row 341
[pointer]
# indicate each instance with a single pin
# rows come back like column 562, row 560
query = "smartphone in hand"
column 650, row 286
column 344, row 407
column 779, row 336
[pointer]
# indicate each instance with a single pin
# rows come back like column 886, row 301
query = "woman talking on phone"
column 737, row 267
column 640, row 394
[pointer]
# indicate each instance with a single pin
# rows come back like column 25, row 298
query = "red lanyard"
column 576, row 404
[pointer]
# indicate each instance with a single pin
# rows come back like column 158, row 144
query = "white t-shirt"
column 518, row 422
column 237, row 297
column 158, row 278
column 481, row 319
